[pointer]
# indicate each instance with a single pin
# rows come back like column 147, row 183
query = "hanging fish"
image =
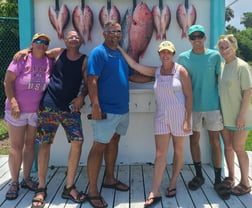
column 125, row 25
column 162, row 19
column 83, row 19
column 109, row 13
column 186, row 16
column 140, row 30
column 59, row 18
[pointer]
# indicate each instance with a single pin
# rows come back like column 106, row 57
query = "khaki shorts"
column 210, row 120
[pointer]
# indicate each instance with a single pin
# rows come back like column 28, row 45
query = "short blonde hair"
column 230, row 38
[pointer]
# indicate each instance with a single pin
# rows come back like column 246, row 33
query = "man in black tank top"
column 61, row 104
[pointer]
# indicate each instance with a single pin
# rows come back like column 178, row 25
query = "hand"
column 21, row 53
column 96, row 113
column 76, row 104
column 187, row 125
column 240, row 122
column 15, row 111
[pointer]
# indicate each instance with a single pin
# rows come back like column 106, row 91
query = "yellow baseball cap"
column 167, row 45
column 38, row 35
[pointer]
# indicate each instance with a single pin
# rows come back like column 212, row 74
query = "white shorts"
column 210, row 120
column 24, row 119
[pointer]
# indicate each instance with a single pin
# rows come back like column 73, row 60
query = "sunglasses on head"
column 39, row 41
column 194, row 37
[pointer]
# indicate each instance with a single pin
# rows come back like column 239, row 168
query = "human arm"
column 52, row 53
column 22, row 53
column 241, row 118
column 139, row 78
column 146, row 70
column 9, row 85
column 93, row 95
column 187, row 90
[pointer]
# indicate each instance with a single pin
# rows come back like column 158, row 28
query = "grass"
column 4, row 143
column 248, row 145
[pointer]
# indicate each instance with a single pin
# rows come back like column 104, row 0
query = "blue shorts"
column 103, row 130
column 49, row 121
column 232, row 128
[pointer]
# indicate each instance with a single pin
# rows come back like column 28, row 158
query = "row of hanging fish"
column 138, row 22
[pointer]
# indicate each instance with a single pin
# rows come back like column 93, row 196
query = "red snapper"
column 186, row 16
column 83, row 21
column 140, row 30
column 59, row 19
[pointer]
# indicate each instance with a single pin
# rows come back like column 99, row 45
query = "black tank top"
column 65, row 82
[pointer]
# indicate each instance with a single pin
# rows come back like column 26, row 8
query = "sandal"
column 195, row 183
column 92, row 199
column 29, row 184
column 240, row 189
column 39, row 200
column 170, row 192
column 222, row 190
column 118, row 185
column 81, row 197
column 153, row 200
column 12, row 193
column 229, row 182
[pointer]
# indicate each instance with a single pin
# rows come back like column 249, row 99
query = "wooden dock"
column 139, row 177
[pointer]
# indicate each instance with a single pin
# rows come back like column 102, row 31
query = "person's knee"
column 77, row 143
column 238, row 149
column 115, row 139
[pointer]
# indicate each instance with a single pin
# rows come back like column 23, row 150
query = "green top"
column 234, row 78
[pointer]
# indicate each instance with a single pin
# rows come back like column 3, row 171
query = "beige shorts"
column 210, row 120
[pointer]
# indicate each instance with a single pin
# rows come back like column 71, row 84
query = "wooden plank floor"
column 139, row 177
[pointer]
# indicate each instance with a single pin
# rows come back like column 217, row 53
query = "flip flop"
column 117, row 186
column 155, row 200
column 91, row 200
column 169, row 192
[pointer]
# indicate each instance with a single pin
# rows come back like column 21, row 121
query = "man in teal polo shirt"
column 203, row 65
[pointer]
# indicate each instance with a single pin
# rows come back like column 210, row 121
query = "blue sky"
column 239, row 8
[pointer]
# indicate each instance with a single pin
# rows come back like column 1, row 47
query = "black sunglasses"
column 39, row 41
column 194, row 37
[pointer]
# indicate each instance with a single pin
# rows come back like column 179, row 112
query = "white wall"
column 138, row 145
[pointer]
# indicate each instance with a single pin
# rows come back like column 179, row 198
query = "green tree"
column 247, row 19
column 229, row 14
column 231, row 29
column 9, row 8
column 244, row 39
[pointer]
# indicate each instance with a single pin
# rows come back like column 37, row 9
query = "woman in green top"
column 235, row 83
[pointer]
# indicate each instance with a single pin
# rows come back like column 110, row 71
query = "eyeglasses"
column 112, row 32
column 39, row 41
column 194, row 37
